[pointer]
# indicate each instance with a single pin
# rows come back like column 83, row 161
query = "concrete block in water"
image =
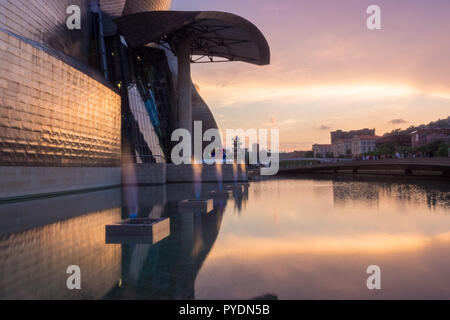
column 202, row 206
column 139, row 230
column 237, row 188
column 221, row 195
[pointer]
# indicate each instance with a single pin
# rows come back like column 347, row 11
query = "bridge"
column 407, row 167
column 322, row 160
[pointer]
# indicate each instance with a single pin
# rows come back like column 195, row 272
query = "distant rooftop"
column 432, row 130
column 366, row 137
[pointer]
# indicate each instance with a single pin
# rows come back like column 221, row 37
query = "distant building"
column 342, row 147
column 342, row 141
column 256, row 152
column 423, row 137
column 398, row 140
column 339, row 135
column 322, row 150
column 363, row 144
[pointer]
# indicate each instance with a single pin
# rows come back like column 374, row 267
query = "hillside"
column 441, row 123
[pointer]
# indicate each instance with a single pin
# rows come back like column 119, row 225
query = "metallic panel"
column 45, row 21
column 113, row 8
column 135, row 6
column 52, row 114
column 201, row 111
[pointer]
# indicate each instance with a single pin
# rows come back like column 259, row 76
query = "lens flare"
column 130, row 191
column 219, row 175
column 197, row 173
column 243, row 172
column 235, row 173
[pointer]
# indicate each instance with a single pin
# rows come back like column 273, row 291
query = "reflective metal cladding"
column 45, row 21
column 92, row 98
column 52, row 114
column 54, row 110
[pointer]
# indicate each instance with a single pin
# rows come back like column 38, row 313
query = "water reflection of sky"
column 315, row 239
column 290, row 238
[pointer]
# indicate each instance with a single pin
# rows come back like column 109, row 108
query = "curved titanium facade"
column 51, row 113
column 117, row 8
column 45, row 21
column 113, row 8
column 135, row 6
column 56, row 111
column 201, row 112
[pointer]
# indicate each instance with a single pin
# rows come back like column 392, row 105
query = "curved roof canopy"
column 213, row 34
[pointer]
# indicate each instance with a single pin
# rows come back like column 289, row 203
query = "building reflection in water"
column 240, row 199
column 39, row 239
column 348, row 191
column 328, row 231
column 296, row 238
column 168, row 269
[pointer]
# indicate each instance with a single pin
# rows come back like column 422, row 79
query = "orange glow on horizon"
column 252, row 248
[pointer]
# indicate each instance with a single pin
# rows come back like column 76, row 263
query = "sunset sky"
column 328, row 71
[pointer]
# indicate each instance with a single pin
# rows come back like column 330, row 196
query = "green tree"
column 386, row 148
column 442, row 151
column 435, row 145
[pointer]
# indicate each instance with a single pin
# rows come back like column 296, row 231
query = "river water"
column 281, row 238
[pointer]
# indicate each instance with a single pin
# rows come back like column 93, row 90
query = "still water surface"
column 290, row 238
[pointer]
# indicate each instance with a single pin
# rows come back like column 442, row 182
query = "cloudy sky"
column 328, row 71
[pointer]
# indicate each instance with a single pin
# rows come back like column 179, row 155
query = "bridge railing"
column 436, row 161
column 305, row 162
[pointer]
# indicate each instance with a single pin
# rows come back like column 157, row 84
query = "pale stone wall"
column 138, row 174
column 22, row 182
